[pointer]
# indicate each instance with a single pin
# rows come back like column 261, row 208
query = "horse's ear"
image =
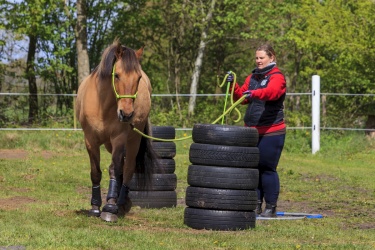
column 139, row 53
column 118, row 50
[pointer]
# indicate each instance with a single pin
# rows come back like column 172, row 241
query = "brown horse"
column 111, row 101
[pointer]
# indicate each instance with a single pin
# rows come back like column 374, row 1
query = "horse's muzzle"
column 124, row 117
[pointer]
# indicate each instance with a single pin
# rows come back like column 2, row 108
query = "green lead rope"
column 230, row 95
column 225, row 112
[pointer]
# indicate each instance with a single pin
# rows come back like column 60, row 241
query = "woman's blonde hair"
column 268, row 49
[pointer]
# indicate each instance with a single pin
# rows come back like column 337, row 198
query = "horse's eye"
column 116, row 76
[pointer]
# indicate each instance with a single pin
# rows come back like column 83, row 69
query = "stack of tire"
column 162, row 191
column 222, row 178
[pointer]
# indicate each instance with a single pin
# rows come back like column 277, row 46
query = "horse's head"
column 120, row 66
column 126, row 74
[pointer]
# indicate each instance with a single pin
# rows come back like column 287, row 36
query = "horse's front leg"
column 96, row 177
column 111, row 210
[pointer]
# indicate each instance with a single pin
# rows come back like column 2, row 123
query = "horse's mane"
column 113, row 53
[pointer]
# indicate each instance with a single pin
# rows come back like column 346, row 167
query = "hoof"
column 128, row 206
column 124, row 209
column 110, row 208
column 94, row 213
column 109, row 217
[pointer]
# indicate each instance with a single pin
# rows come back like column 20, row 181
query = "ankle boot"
column 258, row 209
column 270, row 211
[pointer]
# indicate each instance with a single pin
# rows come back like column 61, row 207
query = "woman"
column 265, row 89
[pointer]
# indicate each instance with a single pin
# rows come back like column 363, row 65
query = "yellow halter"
column 114, row 88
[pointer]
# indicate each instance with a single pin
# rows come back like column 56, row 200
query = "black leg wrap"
column 96, row 198
column 110, row 208
column 112, row 190
column 119, row 179
column 123, row 195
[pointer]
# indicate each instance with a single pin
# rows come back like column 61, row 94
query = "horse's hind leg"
column 96, row 177
column 129, row 165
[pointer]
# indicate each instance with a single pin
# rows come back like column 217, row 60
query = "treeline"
column 189, row 46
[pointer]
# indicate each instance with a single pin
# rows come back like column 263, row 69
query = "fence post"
column 74, row 110
column 315, row 114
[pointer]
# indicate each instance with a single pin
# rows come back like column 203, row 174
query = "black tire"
column 166, row 166
column 164, row 149
column 160, row 182
column 163, row 132
column 225, row 135
column 221, row 199
column 224, row 220
column 153, row 199
column 227, row 156
column 223, row 177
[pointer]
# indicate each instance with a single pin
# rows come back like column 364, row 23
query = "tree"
column 31, row 77
column 81, row 41
column 199, row 60
column 191, row 44
column 25, row 18
column 334, row 41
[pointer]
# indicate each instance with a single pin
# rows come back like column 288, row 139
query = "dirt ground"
column 18, row 201
column 19, row 154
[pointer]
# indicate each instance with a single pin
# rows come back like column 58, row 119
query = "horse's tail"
column 146, row 159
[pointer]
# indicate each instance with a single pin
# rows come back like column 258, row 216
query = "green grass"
column 44, row 194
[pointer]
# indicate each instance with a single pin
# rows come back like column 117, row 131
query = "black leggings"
column 270, row 148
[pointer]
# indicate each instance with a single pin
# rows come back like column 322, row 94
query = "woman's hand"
column 230, row 77
column 247, row 93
